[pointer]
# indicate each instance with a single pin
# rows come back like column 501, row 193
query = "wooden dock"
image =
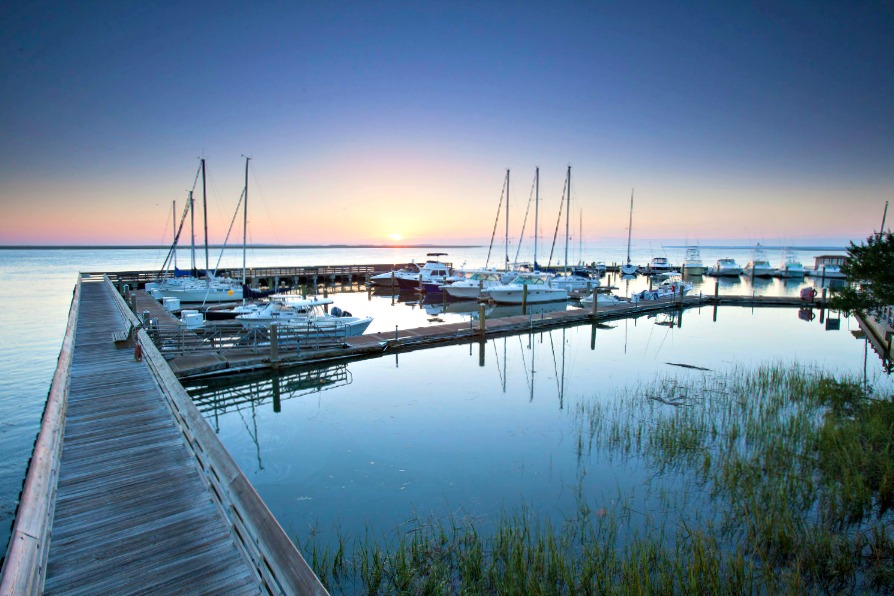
column 147, row 500
column 203, row 362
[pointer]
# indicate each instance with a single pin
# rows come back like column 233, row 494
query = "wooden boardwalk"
column 132, row 511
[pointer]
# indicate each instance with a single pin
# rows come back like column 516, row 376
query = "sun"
column 396, row 237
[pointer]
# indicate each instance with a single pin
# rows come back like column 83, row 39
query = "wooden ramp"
column 132, row 512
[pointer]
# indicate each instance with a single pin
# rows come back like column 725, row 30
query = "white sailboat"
column 628, row 268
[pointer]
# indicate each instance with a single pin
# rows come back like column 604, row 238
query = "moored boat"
column 726, row 267
column 692, row 263
column 527, row 287
column 790, row 268
column 306, row 317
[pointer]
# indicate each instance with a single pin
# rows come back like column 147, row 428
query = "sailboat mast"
column 506, row 264
column 630, row 226
column 205, row 214
column 536, row 211
column 567, row 216
column 192, row 232
column 174, row 219
column 245, row 221
column 884, row 216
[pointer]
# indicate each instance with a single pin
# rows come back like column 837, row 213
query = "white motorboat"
column 670, row 287
column 603, row 299
column 759, row 266
column 473, row 286
column 659, row 265
column 433, row 271
column 529, row 287
column 692, row 264
column 726, row 268
column 790, row 268
column 828, row 267
column 827, row 271
column 306, row 317
column 390, row 278
column 578, row 281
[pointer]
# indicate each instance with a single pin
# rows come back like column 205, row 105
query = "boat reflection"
column 222, row 395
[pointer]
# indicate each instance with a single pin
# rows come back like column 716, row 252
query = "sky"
column 395, row 122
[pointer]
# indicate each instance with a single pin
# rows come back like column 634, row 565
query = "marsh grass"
column 775, row 479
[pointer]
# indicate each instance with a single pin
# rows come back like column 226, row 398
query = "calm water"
column 468, row 428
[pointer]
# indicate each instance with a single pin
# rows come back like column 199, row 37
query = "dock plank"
column 132, row 512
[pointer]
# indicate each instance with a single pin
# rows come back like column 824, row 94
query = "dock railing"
column 25, row 563
column 275, row 557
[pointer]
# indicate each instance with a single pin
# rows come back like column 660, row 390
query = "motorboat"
column 827, row 271
column 432, row 271
column 603, row 299
column 692, row 263
column 670, row 287
column 307, row 317
column 527, row 287
column 790, row 268
column 222, row 313
column 759, row 266
column 478, row 282
column 828, row 267
column 390, row 278
column 578, row 280
column 659, row 265
column 726, row 268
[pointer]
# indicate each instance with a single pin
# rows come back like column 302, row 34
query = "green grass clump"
column 768, row 480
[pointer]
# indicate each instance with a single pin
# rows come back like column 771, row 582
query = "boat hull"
column 516, row 296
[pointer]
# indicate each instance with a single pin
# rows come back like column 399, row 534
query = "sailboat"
column 628, row 268
column 533, row 287
column 572, row 281
column 189, row 289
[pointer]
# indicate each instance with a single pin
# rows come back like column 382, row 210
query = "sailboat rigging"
column 628, row 268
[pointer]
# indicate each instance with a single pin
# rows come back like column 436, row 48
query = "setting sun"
column 395, row 237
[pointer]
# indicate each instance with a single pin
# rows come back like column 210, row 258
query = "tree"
column 870, row 273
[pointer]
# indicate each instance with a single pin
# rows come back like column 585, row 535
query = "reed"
column 774, row 479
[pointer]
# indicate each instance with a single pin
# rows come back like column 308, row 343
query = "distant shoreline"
column 233, row 247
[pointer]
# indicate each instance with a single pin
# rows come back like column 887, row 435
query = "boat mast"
column 205, row 213
column 536, row 210
column 884, row 216
column 567, row 217
column 630, row 226
column 506, row 264
column 245, row 221
column 192, row 233
column 174, row 220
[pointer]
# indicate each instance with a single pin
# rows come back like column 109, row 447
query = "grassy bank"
column 775, row 479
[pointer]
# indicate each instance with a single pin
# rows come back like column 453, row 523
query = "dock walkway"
column 132, row 512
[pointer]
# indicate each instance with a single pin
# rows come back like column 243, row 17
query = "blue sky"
column 367, row 120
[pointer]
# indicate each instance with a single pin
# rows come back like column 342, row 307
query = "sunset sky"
column 383, row 122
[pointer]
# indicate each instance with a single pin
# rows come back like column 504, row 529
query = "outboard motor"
column 336, row 312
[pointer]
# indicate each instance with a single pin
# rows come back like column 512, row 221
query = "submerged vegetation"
column 776, row 479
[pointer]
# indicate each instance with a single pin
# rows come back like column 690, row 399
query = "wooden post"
column 274, row 344
column 525, row 299
column 482, row 325
column 595, row 302
column 716, row 287
column 481, row 352
column 276, row 397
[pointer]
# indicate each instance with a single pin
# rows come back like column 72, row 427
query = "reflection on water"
column 480, row 427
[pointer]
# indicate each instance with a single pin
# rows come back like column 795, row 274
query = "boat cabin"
column 829, row 260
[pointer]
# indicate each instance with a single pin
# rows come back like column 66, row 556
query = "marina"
column 335, row 368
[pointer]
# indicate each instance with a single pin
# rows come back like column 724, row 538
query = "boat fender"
column 138, row 352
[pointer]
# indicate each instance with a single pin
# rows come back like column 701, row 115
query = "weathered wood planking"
column 132, row 514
